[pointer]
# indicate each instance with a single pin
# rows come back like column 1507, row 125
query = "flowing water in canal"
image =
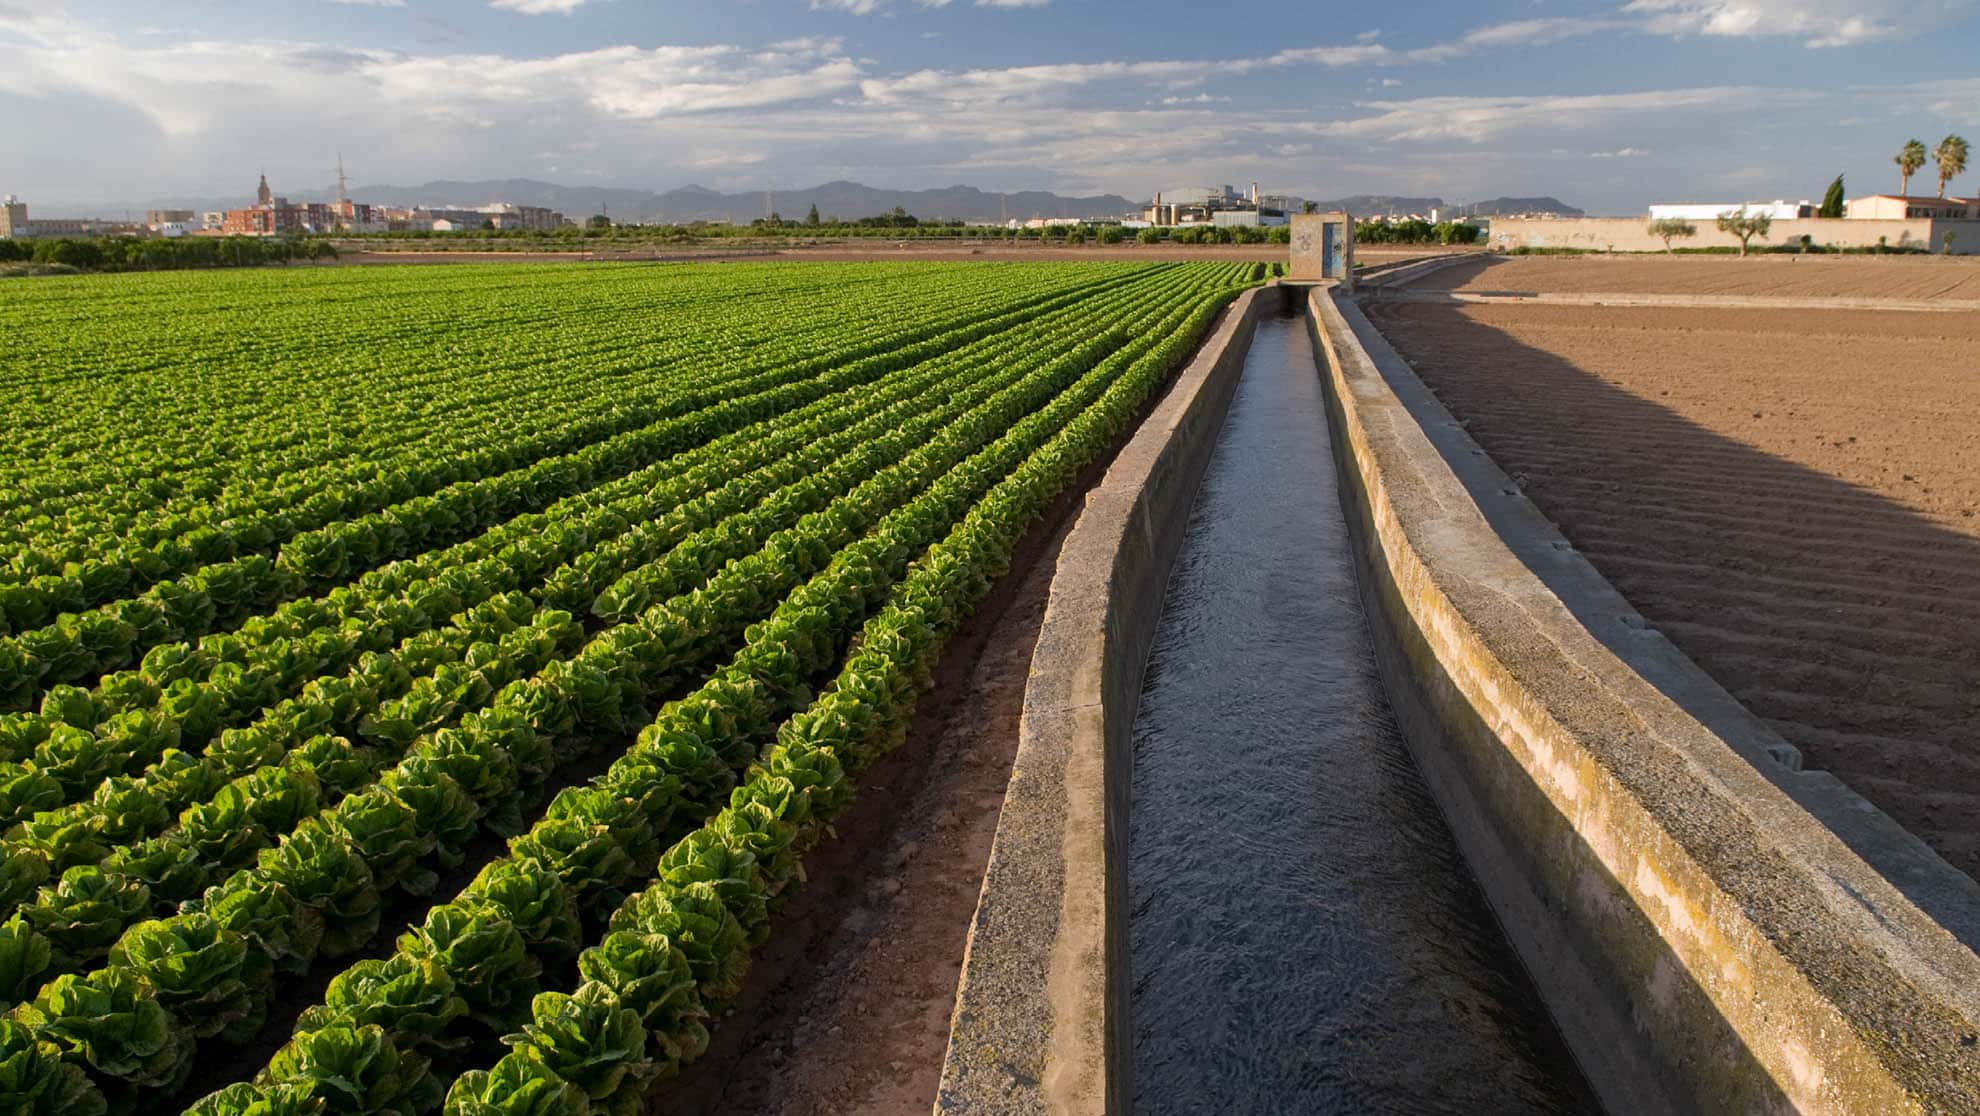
column 1304, row 934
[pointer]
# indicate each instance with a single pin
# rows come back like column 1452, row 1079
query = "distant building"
column 1222, row 206
column 157, row 217
column 495, row 215
column 1899, row 207
column 16, row 225
column 272, row 215
column 1698, row 211
column 1247, row 218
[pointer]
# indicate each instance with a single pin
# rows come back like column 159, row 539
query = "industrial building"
column 1221, row 206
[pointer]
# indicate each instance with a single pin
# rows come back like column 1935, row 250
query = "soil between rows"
column 1792, row 497
column 847, row 1007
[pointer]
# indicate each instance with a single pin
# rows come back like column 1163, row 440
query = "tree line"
column 130, row 253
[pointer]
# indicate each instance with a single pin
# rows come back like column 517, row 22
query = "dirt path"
column 1793, row 497
column 1908, row 277
column 847, row 1009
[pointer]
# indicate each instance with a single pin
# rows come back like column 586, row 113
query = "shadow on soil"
column 1847, row 622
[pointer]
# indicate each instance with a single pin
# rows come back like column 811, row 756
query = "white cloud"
column 372, row 3
column 1478, row 119
column 1817, row 23
column 1619, row 153
column 537, row 7
column 868, row 7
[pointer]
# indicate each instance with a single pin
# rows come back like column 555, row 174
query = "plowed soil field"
column 1793, row 497
column 1906, row 277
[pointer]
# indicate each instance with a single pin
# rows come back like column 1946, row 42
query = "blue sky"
column 1606, row 105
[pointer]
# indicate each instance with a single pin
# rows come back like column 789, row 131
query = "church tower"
column 263, row 197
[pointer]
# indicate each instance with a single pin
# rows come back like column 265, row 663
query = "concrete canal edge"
column 1714, row 929
column 1040, row 1023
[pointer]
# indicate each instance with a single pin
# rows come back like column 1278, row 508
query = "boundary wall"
column 1631, row 234
column 1040, row 1022
column 1705, row 941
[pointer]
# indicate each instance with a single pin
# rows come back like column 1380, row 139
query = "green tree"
column 598, row 221
column 1951, row 157
column 1745, row 226
column 1909, row 160
column 811, row 218
column 1149, row 235
column 1832, row 202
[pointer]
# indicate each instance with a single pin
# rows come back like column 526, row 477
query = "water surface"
column 1304, row 935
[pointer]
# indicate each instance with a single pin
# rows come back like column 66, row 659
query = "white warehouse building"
column 1696, row 211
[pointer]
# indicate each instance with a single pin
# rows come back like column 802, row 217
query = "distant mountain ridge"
column 833, row 199
column 1373, row 205
column 698, row 203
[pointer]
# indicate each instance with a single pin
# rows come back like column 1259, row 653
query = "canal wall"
column 1040, row 1023
column 1714, row 929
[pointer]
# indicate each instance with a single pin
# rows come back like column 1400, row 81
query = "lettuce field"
column 419, row 686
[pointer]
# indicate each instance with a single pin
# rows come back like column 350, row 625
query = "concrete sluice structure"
column 1712, row 929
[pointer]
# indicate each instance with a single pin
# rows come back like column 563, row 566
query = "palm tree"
column 1951, row 157
column 1908, row 163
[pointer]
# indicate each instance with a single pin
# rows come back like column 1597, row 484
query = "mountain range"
column 698, row 203
column 833, row 199
column 1371, row 205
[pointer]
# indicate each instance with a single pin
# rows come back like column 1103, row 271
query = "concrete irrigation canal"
column 1303, row 935
column 1344, row 784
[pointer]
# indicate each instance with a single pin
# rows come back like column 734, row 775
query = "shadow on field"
column 1846, row 621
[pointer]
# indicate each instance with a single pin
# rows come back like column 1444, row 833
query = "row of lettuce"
column 237, row 789
column 723, row 592
column 118, row 480
column 127, row 569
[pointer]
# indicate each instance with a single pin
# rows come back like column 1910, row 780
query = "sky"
column 1606, row 105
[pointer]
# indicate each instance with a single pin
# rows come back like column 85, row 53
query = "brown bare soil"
column 847, row 1009
column 1907, row 277
column 1793, row 497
